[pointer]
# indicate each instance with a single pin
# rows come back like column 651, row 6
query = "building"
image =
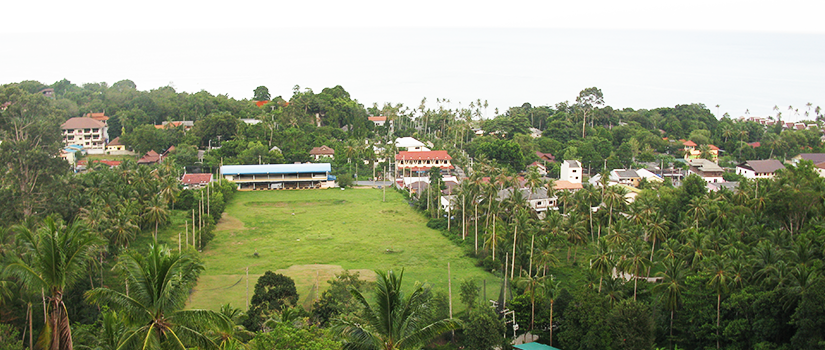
column 410, row 144
column 759, row 169
column 186, row 124
column 692, row 152
column 627, row 177
column 279, row 176
column 150, row 157
column 571, row 170
column 816, row 158
column 86, row 132
column 378, row 121
column 422, row 160
column 708, row 170
column 539, row 167
column 546, row 157
column 195, row 180
column 101, row 117
column 321, row 152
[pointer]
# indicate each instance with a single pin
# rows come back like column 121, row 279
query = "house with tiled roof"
column 378, row 121
column 693, row 151
column 759, row 169
column 195, row 180
column 422, row 160
column 150, row 157
column 709, row 171
column 546, row 157
column 87, row 132
column 321, row 152
column 101, row 117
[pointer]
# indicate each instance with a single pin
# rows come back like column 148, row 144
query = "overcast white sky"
column 642, row 54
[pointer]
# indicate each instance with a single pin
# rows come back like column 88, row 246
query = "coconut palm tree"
column 719, row 282
column 56, row 257
column 395, row 321
column 602, row 263
column 672, row 286
column 553, row 289
column 158, row 291
column 156, row 212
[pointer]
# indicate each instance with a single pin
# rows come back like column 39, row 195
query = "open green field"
column 310, row 235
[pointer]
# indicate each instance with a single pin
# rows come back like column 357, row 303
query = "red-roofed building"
column 261, row 103
column 379, row 121
column 110, row 163
column 546, row 157
column 423, row 160
column 755, row 144
column 196, row 180
column 150, row 157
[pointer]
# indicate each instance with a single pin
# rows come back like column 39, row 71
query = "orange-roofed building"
column 101, row 117
column 261, row 103
column 694, row 152
column 378, row 121
column 423, row 160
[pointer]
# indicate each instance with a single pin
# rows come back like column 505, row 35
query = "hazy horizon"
column 639, row 69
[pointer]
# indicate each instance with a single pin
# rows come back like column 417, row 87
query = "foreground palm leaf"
column 158, row 292
column 395, row 321
column 56, row 257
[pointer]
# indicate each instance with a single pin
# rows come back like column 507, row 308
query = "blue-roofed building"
column 279, row 176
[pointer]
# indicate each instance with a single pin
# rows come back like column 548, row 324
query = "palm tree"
column 672, row 286
column 531, row 284
column 553, row 292
column 156, row 212
column 394, row 321
column 159, row 284
column 57, row 257
column 719, row 281
column 603, row 262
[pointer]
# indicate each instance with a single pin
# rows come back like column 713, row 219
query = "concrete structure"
column 571, row 170
column 539, row 167
column 86, row 132
column 759, row 169
column 422, row 160
column 708, row 170
column 279, row 176
column 321, row 152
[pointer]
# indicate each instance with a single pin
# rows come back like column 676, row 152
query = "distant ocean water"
column 506, row 67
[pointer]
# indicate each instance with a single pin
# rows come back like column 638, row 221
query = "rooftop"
column 275, row 169
column 323, row 150
column 423, row 155
column 196, row 178
column 763, row 166
column 82, row 123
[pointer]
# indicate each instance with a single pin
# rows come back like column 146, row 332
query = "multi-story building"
column 759, row 169
column 86, row 132
column 571, row 170
column 417, row 161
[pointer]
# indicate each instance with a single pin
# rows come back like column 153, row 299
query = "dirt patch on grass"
column 266, row 204
column 229, row 223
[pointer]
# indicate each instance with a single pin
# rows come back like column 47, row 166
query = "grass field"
column 310, row 235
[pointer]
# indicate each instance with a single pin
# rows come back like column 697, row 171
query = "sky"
column 740, row 55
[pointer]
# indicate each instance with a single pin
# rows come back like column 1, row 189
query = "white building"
column 571, row 170
column 759, row 169
column 87, row 132
column 410, row 144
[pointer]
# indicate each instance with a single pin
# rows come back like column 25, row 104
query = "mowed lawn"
column 310, row 235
